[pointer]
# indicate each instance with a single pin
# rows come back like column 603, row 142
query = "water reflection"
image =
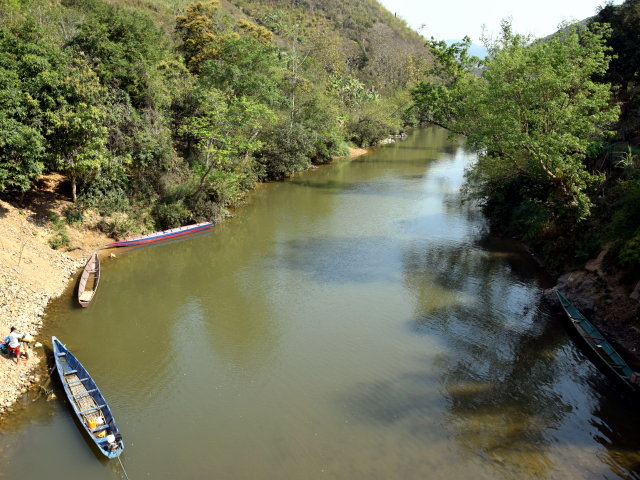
column 509, row 384
column 339, row 259
column 498, row 384
column 355, row 322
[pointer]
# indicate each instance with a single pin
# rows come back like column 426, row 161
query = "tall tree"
column 21, row 143
column 224, row 130
column 198, row 29
column 77, row 128
column 624, row 69
column 128, row 52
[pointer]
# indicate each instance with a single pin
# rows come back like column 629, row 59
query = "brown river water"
column 354, row 322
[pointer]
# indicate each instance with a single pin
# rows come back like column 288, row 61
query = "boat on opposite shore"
column 603, row 353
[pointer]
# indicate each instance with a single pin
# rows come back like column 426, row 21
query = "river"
column 353, row 322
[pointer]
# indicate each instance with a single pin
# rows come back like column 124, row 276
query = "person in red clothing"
column 14, row 344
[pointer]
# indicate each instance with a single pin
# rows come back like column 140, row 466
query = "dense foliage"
column 619, row 206
column 159, row 119
column 536, row 114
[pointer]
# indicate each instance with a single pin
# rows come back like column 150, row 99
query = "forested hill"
column 386, row 52
column 163, row 113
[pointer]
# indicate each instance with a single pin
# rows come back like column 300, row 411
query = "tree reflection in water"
column 509, row 386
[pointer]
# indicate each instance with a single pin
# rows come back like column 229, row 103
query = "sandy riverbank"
column 31, row 274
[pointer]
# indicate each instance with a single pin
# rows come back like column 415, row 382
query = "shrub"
column 74, row 214
column 118, row 226
column 368, row 131
column 630, row 253
column 285, row 151
column 170, row 215
column 60, row 236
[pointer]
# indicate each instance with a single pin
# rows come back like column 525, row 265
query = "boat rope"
column 123, row 470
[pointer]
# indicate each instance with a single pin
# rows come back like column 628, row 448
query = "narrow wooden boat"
column 89, row 280
column 164, row 235
column 604, row 355
column 88, row 404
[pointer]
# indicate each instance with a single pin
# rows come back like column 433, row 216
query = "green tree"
column 624, row 69
column 532, row 115
column 199, row 30
column 21, row 152
column 225, row 133
column 77, row 128
column 624, row 39
column 21, row 144
column 248, row 66
column 128, row 52
column 350, row 91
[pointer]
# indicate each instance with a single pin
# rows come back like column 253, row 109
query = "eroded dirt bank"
column 612, row 305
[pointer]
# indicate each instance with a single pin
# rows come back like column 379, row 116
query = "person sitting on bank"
column 14, row 344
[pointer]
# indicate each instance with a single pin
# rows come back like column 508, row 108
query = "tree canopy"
column 532, row 111
column 160, row 116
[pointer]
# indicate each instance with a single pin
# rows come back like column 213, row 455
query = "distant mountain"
column 475, row 49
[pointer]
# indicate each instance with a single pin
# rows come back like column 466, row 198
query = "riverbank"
column 612, row 305
column 31, row 274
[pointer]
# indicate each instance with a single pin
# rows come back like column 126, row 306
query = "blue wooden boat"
column 603, row 353
column 164, row 235
column 87, row 402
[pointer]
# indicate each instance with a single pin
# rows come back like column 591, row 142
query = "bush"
column 74, row 214
column 170, row 215
column 285, row 151
column 60, row 236
column 630, row 253
column 327, row 147
column 107, row 192
column 118, row 226
column 529, row 220
column 368, row 132
column 626, row 218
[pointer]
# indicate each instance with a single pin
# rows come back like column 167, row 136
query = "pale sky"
column 453, row 19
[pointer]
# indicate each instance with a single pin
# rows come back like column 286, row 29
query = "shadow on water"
column 411, row 400
column 617, row 425
column 339, row 260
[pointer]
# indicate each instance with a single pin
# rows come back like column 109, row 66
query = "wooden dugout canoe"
column 88, row 404
column 602, row 352
column 89, row 280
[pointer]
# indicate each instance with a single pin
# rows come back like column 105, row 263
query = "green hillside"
column 164, row 112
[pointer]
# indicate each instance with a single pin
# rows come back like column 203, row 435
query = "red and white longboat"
column 164, row 235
